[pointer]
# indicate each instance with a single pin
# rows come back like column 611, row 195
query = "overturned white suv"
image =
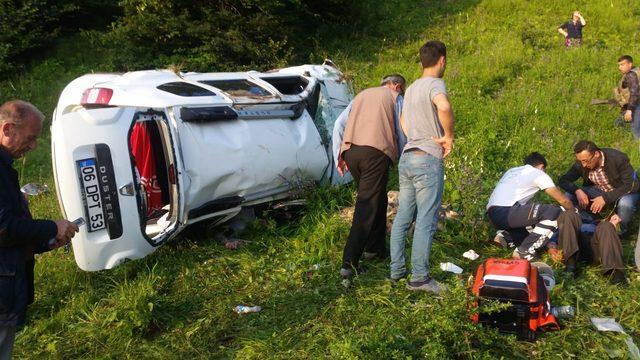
column 141, row 155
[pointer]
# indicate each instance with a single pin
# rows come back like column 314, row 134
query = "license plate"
column 91, row 194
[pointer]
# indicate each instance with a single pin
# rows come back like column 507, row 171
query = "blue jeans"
column 421, row 185
column 625, row 208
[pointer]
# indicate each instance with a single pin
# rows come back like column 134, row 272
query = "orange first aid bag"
column 516, row 282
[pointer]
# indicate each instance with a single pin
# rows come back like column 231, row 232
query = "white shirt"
column 519, row 185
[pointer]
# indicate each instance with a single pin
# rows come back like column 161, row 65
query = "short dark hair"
column 394, row 79
column 626, row 57
column 534, row 159
column 583, row 145
column 431, row 52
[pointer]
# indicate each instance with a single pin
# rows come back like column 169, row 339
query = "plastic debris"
column 634, row 352
column 33, row 189
column 471, row 254
column 563, row 312
column 451, row 267
column 244, row 309
column 609, row 324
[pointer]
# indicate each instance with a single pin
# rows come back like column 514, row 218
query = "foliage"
column 27, row 26
column 215, row 35
column 514, row 89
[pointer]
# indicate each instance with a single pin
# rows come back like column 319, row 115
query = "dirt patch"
column 392, row 208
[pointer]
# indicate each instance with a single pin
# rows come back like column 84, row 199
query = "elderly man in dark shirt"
column 20, row 235
column 607, row 179
column 627, row 94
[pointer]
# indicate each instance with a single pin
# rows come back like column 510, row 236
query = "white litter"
column 451, row 267
column 470, row 254
column 609, row 324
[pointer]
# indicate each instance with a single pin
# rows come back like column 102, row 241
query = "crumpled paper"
column 470, row 254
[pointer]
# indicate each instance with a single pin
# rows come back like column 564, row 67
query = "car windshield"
column 239, row 88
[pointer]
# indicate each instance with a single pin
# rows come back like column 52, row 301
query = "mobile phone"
column 79, row 221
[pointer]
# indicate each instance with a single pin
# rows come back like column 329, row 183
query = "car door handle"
column 127, row 190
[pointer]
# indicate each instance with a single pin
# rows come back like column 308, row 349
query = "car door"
column 96, row 179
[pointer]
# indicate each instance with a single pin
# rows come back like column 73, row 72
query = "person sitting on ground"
column 509, row 209
column 627, row 93
column 592, row 243
column 572, row 30
column 608, row 179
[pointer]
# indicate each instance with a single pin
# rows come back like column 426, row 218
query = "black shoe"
column 617, row 277
column 348, row 273
column 570, row 266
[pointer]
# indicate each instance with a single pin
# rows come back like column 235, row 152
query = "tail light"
column 96, row 96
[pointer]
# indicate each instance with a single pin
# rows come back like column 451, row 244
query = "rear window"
column 239, row 88
column 290, row 85
column 185, row 89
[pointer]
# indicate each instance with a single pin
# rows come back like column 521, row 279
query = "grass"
column 514, row 89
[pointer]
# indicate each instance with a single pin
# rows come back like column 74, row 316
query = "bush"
column 24, row 26
column 30, row 25
column 208, row 35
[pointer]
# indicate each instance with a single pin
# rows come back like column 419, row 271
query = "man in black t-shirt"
column 572, row 30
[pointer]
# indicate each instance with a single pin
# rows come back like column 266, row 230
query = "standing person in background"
column 627, row 93
column 427, row 120
column 20, row 236
column 572, row 30
column 366, row 141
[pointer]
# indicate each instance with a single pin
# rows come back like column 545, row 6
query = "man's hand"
column 558, row 196
column 556, row 255
column 628, row 115
column 446, row 143
column 342, row 167
column 66, row 231
column 615, row 220
column 583, row 199
column 597, row 205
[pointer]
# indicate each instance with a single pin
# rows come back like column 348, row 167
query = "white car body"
column 223, row 148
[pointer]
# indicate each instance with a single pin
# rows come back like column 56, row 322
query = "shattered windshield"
column 241, row 87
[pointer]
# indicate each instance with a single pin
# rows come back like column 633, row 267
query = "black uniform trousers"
column 541, row 218
column 370, row 169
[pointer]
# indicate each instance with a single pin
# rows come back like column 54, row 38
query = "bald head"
column 18, row 111
column 20, row 126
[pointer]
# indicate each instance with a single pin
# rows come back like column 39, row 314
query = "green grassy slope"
column 514, row 89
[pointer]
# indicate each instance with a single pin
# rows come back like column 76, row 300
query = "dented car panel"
column 141, row 155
